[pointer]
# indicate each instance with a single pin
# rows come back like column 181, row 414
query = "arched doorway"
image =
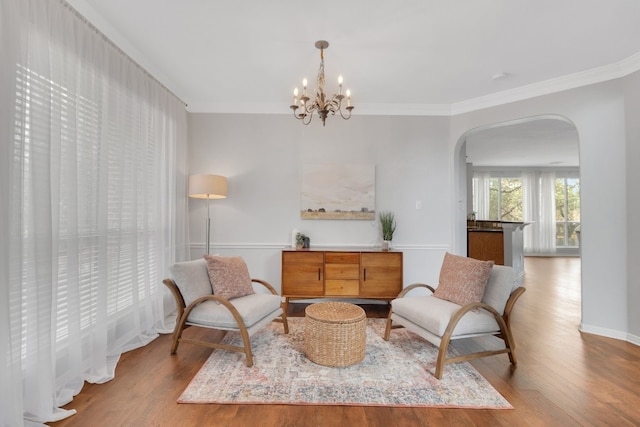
column 514, row 157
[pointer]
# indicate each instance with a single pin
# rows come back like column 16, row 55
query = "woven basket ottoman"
column 334, row 333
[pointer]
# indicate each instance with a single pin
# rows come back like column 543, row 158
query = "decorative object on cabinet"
column 208, row 187
column 388, row 226
column 439, row 321
column 322, row 104
column 198, row 306
column 338, row 191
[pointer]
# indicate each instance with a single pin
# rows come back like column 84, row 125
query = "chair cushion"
column 462, row 279
column 433, row 314
column 229, row 276
column 499, row 287
column 192, row 279
column 252, row 309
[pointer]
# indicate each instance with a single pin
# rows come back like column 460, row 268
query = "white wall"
column 263, row 155
column 632, row 99
column 597, row 111
column 419, row 158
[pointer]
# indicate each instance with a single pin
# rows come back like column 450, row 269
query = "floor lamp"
column 208, row 187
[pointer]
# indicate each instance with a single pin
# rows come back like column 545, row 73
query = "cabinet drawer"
column 295, row 258
column 342, row 258
column 342, row 287
column 342, row 271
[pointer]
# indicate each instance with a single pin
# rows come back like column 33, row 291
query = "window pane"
column 572, row 239
column 494, row 189
column 567, row 211
column 560, row 234
column 511, row 191
column 560, row 199
column 573, row 199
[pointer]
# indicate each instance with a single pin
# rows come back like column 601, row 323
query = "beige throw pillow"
column 229, row 276
column 462, row 280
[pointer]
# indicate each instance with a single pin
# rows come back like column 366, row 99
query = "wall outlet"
column 418, row 204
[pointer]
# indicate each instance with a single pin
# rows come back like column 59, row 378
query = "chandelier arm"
column 346, row 117
column 335, row 104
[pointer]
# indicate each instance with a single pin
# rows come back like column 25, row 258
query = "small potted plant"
column 388, row 225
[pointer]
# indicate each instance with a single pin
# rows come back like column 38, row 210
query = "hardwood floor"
column 563, row 377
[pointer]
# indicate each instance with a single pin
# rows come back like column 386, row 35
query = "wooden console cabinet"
column 315, row 273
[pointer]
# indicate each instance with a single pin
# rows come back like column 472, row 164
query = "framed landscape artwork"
column 338, row 192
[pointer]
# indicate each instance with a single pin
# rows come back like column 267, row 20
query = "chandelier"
column 322, row 104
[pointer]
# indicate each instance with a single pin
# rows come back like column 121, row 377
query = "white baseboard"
column 634, row 339
column 609, row 333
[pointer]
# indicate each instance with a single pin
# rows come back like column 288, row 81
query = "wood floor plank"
column 564, row 377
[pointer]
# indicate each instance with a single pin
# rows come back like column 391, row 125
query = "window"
column 505, row 203
column 94, row 187
column 547, row 198
column 567, row 211
column 104, row 204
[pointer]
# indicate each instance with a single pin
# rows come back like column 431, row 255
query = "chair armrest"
column 177, row 295
column 511, row 302
column 453, row 322
column 184, row 311
column 513, row 298
column 414, row 286
column 223, row 301
column 266, row 285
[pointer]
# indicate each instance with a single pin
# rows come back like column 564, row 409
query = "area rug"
column 393, row 373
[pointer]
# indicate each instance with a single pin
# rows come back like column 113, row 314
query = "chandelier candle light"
column 321, row 104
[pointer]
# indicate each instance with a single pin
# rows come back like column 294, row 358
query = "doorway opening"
column 526, row 170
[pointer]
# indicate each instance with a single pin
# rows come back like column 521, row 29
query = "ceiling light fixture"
column 499, row 76
column 321, row 104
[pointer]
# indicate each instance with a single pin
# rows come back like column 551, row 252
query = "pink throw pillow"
column 462, row 279
column 229, row 276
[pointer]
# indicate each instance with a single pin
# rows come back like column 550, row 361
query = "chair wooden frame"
column 504, row 322
column 184, row 311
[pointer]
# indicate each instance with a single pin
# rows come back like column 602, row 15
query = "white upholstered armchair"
column 439, row 320
column 217, row 293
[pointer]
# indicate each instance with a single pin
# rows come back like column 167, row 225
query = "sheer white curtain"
column 481, row 194
column 530, row 210
column 548, row 212
column 93, row 185
column 539, row 206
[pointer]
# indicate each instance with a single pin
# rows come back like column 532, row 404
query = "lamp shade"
column 207, row 186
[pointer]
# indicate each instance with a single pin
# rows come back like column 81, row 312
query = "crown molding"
column 597, row 75
column 630, row 65
column 570, row 81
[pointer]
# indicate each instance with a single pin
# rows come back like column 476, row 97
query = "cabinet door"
column 302, row 273
column 486, row 246
column 381, row 274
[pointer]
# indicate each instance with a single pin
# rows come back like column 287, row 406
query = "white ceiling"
column 541, row 142
column 402, row 57
column 413, row 57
